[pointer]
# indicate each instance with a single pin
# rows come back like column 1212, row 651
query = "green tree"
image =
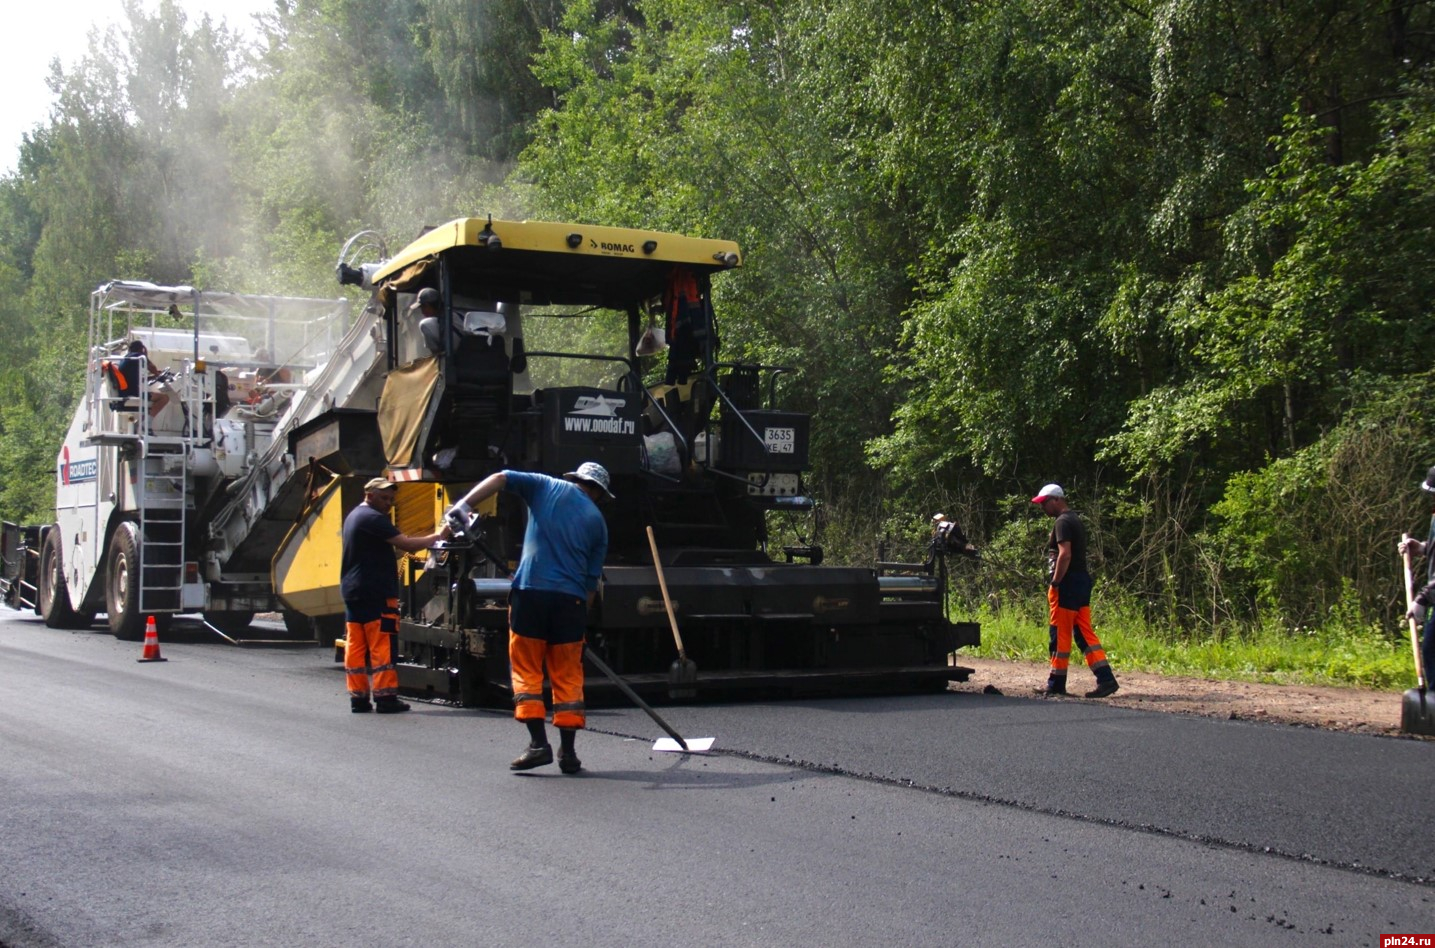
column 702, row 119
column 481, row 54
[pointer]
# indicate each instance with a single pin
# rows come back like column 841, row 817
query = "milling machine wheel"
column 55, row 606
column 122, row 585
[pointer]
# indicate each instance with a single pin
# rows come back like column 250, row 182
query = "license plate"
column 780, row 440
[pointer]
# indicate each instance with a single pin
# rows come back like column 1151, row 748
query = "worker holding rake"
column 563, row 550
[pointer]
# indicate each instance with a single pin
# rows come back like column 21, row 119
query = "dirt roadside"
column 1334, row 709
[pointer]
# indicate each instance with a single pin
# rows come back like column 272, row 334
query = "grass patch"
column 1336, row 654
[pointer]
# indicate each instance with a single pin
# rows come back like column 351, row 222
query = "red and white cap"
column 1047, row 492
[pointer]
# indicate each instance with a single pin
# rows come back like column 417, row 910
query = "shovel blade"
column 683, row 678
column 1417, row 712
column 696, row 745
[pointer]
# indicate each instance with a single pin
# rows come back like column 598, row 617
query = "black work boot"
column 568, row 761
column 533, row 756
column 359, row 704
column 390, row 705
column 1104, row 689
column 1053, row 686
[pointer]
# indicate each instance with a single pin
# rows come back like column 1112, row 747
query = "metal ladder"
column 162, row 496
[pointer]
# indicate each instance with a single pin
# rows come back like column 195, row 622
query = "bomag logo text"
column 607, row 247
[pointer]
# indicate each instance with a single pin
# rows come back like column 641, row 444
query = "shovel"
column 683, row 673
column 1417, row 711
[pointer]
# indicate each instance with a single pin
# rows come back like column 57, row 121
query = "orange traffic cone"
column 151, row 644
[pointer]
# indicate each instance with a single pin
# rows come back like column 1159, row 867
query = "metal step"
column 163, row 498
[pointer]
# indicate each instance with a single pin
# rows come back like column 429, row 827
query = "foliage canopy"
column 1172, row 253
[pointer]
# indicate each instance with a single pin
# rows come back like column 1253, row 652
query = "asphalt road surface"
column 227, row 797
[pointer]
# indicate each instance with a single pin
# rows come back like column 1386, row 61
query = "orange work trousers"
column 526, row 658
column 368, row 653
column 547, row 628
column 1071, row 619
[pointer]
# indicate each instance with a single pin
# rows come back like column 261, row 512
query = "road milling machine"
column 174, row 484
column 484, row 345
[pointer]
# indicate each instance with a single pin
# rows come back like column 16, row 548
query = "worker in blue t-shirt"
column 557, row 578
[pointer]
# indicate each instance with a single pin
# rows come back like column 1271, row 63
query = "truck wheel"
column 230, row 621
column 122, row 585
column 54, row 594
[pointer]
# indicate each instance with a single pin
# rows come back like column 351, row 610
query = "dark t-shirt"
column 1430, row 552
column 1068, row 528
column 368, row 575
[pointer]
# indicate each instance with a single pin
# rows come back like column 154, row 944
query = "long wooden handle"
column 1410, row 601
column 667, row 602
column 627, row 689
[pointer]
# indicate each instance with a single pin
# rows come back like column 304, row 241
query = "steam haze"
column 61, row 29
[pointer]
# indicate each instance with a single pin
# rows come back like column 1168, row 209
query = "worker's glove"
column 458, row 517
column 1416, row 612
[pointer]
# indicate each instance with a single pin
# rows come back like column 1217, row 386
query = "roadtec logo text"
column 77, row 472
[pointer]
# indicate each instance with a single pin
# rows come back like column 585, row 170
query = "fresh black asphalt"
column 227, row 797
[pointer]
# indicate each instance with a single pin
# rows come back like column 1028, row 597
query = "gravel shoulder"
column 1353, row 710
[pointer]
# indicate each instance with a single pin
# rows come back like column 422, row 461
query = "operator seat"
column 123, row 386
column 481, row 377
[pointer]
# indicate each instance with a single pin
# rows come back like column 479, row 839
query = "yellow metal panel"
column 547, row 237
column 305, row 569
column 450, row 494
column 415, row 510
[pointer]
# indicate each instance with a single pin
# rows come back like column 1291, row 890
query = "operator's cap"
column 1429, row 483
column 593, row 473
column 428, row 296
column 379, row 483
column 1047, row 492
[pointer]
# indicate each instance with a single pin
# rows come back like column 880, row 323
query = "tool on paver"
column 683, row 673
column 1417, row 710
column 672, row 744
